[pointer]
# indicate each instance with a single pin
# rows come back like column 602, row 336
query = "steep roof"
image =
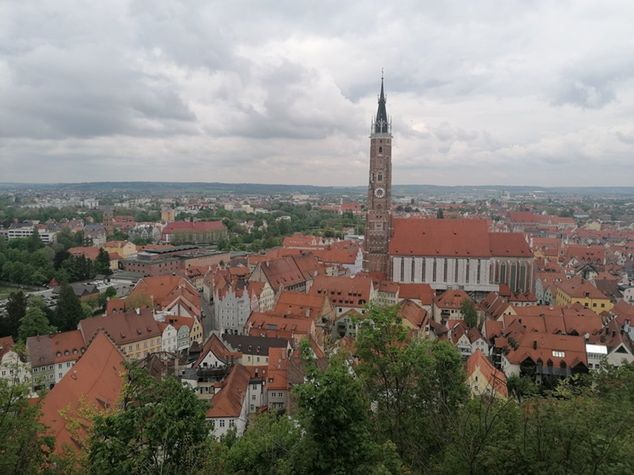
column 272, row 321
column 228, row 401
column 253, row 345
column 546, row 347
column 509, row 245
column 164, row 289
column 440, row 237
column 451, row 299
column 277, row 373
column 580, row 288
column 95, row 380
column 282, row 272
column 217, row 347
column 343, row 291
column 6, row 345
column 496, row 378
column 301, row 304
column 422, row 292
column 122, row 328
column 412, row 312
column 55, row 348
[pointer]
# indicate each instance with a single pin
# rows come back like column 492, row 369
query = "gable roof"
column 96, row 380
column 217, row 347
column 122, row 328
column 228, row 401
column 451, row 299
column 495, row 377
column 343, row 291
column 164, row 289
column 55, row 348
column 439, row 237
column 6, row 345
column 300, row 304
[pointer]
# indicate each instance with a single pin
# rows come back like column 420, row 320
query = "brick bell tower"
column 378, row 227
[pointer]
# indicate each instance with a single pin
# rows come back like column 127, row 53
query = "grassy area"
column 5, row 291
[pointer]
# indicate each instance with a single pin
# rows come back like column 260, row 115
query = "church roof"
column 381, row 125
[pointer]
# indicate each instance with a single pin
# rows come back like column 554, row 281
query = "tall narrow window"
column 422, row 269
column 478, row 278
column 455, row 271
column 411, row 276
column 445, row 270
column 467, row 272
column 380, row 149
column 433, row 277
column 402, row 269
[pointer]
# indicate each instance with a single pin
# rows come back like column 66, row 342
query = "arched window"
column 380, row 149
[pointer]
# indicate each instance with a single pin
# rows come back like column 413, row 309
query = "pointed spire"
column 381, row 125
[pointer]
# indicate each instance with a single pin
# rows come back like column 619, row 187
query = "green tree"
column 35, row 323
column 102, row 263
column 415, row 385
column 335, row 417
column 271, row 445
column 69, row 311
column 469, row 313
column 15, row 311
column 35, row 242
column 23, row 448
column 160, row 428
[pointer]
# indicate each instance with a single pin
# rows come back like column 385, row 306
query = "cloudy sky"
column 481, row 92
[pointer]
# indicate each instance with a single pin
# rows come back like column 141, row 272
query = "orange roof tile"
column 95, row 380
column 495, row 377
column 228, row 401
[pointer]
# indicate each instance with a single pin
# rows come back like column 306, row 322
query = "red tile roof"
column 495, row 377
column 580, row 288
column 277, row 373
column 164, row 289
column 509, row 245
column 343, row 291
column 122, row 328
column 550, row 348
column 55, row 348
column 440, row 237
column 6, row 345
column 422, row 292
column 94, row 381
column 228, row 401
column 451, row 299
column 216, row 346
column 301, row 304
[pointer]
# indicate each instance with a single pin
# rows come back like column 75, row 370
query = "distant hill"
column 150, row 188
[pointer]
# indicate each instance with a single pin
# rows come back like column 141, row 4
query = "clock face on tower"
column 379, row 192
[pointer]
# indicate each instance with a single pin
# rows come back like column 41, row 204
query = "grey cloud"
column 262, row 90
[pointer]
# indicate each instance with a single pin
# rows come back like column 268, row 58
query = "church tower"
column 378, row 225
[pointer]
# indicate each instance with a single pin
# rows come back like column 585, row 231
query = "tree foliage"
column 69, row 311
column 160, row 428
column 35, row 323
column 15, row 311
column 469, row 313
column 23, row 448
